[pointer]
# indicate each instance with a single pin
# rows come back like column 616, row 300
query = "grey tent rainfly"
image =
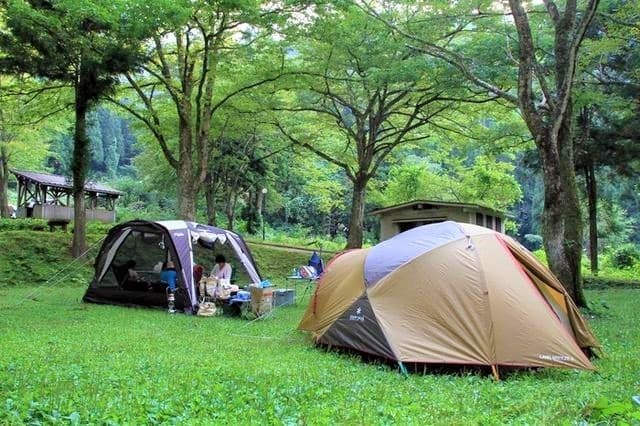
column 145, row 245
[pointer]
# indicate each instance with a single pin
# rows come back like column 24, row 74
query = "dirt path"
column 290, row 249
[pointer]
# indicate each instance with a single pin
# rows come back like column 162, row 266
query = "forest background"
column 293, row 119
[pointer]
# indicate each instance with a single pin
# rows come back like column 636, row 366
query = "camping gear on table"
column 307, row 272
column 149, row 243
column 449, row 293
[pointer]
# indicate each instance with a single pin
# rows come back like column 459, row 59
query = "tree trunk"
column 250, row 212
column 562, row 221
column 4, row 183
column 354, row 240
column 187, row 197
column 187, row 185
column 79, row 165
column 260, row 197
column 210, row 197
column 230, row 209
column 592, row 199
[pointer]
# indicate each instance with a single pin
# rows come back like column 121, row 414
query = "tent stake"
column 496, row 374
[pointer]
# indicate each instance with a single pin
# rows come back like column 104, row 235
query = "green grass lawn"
column 69, row 362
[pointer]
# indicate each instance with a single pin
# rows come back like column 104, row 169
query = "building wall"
column 55, row 212
column 389, row 221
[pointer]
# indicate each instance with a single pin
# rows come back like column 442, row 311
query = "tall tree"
column 193, row 70
column 83, row 44
column 608, row 109
column 367, row 94
column 544, row 66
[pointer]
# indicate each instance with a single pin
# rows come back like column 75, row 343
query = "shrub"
column 625, row 256
column 533, row 241
column 22, row 224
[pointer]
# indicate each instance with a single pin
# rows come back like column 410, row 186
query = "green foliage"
column 625, row 256
column 616, row 411
column 533, row 241
column 614, row 224
column 541, row 256
column 486, row 182
column 22, row 224
column 111, row 145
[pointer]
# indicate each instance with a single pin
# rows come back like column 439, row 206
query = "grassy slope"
column 33, row 258
column 69, row 361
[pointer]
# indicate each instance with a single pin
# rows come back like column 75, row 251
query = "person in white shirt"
column 222, row 270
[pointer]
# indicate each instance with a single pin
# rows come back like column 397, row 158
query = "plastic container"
column 284, row 297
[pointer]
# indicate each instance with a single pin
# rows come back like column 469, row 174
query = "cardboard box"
column 261, row 300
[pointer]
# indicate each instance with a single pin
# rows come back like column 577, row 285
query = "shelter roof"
column 63, row 182
column 425, row 204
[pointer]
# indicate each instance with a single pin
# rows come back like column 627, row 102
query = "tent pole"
column 496, row 374
column 403, row 369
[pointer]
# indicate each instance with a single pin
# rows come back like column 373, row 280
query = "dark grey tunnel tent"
column 149, row 243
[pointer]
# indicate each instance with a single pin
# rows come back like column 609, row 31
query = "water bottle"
column 171, row 302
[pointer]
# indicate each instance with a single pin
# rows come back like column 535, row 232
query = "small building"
column 402, row 217
column 48, row 196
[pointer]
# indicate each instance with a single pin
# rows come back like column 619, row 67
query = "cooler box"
column 284, row 297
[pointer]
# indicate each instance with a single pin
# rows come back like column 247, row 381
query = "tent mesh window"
column 146, row 249
column 205, row 256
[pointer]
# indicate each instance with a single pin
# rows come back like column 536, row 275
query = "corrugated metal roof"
column 62, row 182
column 434, row 203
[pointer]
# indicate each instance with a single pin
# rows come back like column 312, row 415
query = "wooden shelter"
column 405, row 216
column 48, row 196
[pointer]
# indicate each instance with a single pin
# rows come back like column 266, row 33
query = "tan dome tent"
column 449, row 293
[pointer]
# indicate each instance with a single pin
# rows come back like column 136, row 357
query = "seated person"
column 222, row 270
column 132, row 275
column 169, row 275
column 128, row 277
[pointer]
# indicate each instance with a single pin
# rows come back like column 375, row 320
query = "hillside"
column 33, row 257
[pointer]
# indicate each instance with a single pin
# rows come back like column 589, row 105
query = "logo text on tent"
column 358, row 316
column 556, row 357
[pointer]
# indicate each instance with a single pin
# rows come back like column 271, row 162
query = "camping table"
column 308, row 284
